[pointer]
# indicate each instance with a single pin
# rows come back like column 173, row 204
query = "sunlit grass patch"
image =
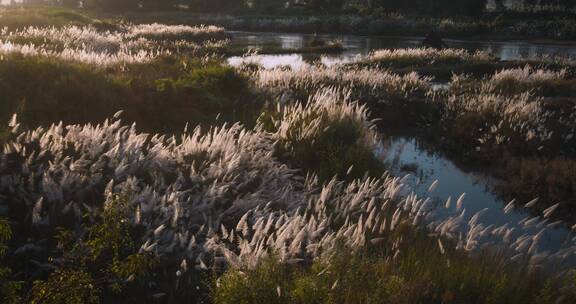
column 328, row 135
column 540, row 81
column 128, row 44
column 157, row 31
column 268, row 208
column 366, row 84
column 419, row 57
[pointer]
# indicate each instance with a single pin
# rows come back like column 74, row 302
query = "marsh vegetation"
column 138, row 166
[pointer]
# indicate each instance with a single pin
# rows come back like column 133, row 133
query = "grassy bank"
column 380, row 276
column 161, row 96
column 161, row 76
column 355, row 241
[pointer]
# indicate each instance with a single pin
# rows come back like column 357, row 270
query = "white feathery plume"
column 460, row 201
column 37, row 211
column 550, row 210
column 433, row 186
column 509, row 207
column 531, row 203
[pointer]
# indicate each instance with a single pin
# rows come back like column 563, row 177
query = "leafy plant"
column 98, row 265
column 9, row 289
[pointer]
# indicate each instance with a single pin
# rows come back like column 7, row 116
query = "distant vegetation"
column 436, row 8
column 467, row 18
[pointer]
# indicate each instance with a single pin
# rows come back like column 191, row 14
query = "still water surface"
column 360, row 46
column 405, row 156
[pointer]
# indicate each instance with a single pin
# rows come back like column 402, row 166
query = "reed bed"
column 512, row 111
column 131, row 44
column 163, row 32
column 365, row 84
column 506, row 104
column 515, row 95
column 511, row 81
column 427, row 56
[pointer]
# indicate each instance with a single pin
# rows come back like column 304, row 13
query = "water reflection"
column 360, row 46
column 405, row 156
column 293, row 60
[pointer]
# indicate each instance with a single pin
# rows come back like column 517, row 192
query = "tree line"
column 426, row 7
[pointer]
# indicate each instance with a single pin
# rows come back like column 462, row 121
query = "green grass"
column 162, row 96
column 41, row 91
column 19, row 17
column 334, row 152
column 418, row 273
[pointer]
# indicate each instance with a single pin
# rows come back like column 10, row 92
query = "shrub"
column 203, row 93
column 268, row 283
column 98, row 264
column 328, row 136
column 9, row 289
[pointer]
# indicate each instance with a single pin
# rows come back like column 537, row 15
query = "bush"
column 97, row 264
column 9, row 289
column 329, row 136
column 206, row 92
column 268, row 283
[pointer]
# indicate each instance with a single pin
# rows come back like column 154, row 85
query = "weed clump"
column 328, row 136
